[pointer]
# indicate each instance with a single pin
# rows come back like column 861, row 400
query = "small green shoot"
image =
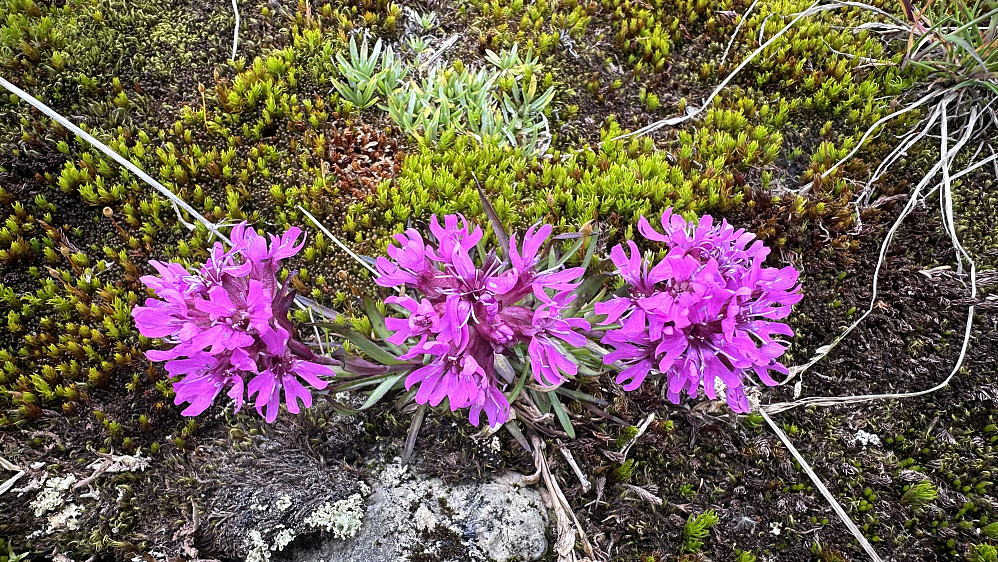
column 920, row 494
column 697, row 529
column 982, row 553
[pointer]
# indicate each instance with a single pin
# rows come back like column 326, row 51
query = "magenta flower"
column 468, row 313
column 229, row 324
column 703, row 316
column 280, row 368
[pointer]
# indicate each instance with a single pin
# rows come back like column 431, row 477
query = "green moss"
column 626, row 434
column 920, row 494
column 697, row 529
column 982, row 553
column 543, row 25
column 615, row 184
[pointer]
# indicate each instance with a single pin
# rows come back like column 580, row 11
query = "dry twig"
column 567, row 523
column 18, row 473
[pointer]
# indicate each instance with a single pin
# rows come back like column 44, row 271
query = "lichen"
column 425, row 520
column 65, row 519
column 257, row 549
column 283, row 503
column 282, row 539
column 341, row 519
column 52, row 495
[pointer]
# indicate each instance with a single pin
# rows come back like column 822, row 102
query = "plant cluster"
column 362, row 82
column 264, row 137
column 967, row 475
column 503, row 103
column 229, row 321
column 646, row 32
column 68, row 302
column 546, row 26
column 70, row 331
column 982, row 553
column 703, row 315
column 954, row 42
column 233, row 158
column 830, row 107
column 614, row 182
column 952, row 52
column 486, row 317
column 920, row 494
column 10, row 555
column 470, row 317
column 697, row 529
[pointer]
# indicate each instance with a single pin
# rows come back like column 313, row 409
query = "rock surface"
column 411, row 518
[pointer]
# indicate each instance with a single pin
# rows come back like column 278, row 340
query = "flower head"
column 474, row 307
column 229, row 327
column 704, row 315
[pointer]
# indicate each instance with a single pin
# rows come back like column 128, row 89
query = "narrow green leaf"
column 586, row 291
column 370, row 348
column 591, row 249
column 541, row 400
column 377, row 318
column 519, row 384
column 361, row 383
column 382, row 389
column 410, row 438
column 403, row 400
column 341, row 409
column 327, row 313
column 559, row 411
column 324, row 325
column 514, row 430
column 497, row 226
column 967, row 47
column 580, row 395
column 571, row 252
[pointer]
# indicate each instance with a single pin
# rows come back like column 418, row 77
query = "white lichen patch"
column 499, row 520
column 342, row 519
column 283, row 503
column 425, row 520
column 65, row 519
column 257, row 548
column 121, row 463
column 52, row 496
column 156, row 555
column 264, row 539
column 282, row 539
column 865, row 438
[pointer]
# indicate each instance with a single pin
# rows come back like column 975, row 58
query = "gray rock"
column 412, row 518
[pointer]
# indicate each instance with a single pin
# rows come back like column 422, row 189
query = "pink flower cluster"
column 706, row 316
column 229, row 320
column 704, row 313
column 467, row 314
